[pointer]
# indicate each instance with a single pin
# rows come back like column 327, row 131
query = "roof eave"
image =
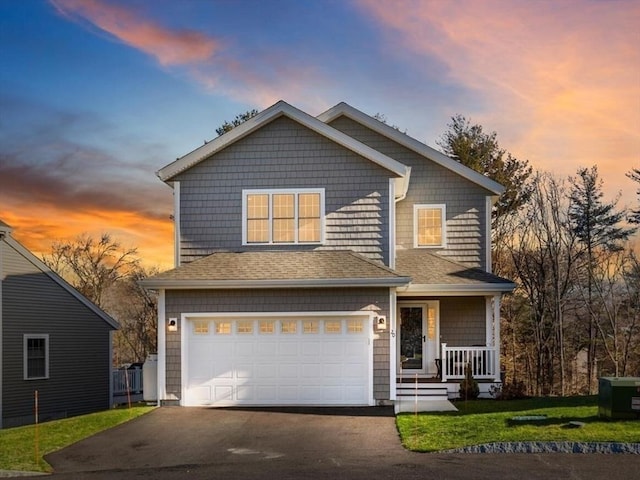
column 343, row 109
column 457, row 289
column 62, row 282
column 277, row 110
column 289, row 283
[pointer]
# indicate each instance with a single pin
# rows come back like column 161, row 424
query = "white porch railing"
column 127, row 381
column 483, row 361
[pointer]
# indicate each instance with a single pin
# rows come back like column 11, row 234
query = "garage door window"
column 267, row 326
column 288, row 326
column 333, row 326
column 223, row 328
column 201, row 327
column 310, row 326
column 245, row 326
column 355, row 326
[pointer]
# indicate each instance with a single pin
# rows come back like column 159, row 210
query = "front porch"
column 445, row 384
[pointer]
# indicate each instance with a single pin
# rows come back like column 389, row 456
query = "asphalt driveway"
column 172, row 443
column 174, row 436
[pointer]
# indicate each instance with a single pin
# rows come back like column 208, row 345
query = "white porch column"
column 496, row 332
column 162, row 348
column 393, row 354
column 489, row 322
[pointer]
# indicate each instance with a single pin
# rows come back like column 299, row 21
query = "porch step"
column 422, row 391
column 404, row 405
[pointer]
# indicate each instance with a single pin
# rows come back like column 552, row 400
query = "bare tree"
column 91, row 265
column 135, row 308
column 616, row 306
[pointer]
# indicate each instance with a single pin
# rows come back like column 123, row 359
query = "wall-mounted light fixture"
column 172, row 325
column 381, row 322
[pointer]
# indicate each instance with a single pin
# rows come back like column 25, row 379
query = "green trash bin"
column 619, row 397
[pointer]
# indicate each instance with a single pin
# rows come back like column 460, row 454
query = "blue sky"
column 96, row 95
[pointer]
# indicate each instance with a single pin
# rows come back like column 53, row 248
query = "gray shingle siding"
column 462, row 321
column 277, row 300
column 79, row 346
column 284, row 154
column 432, row 184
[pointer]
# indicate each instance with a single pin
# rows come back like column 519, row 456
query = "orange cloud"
column 167, row 46
column 560, row 81
column 38, row 227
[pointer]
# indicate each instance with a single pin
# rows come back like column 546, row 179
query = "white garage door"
column 267, row 360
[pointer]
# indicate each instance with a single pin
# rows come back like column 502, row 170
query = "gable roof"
column 31, row 258
column 278, row 269
column 434, row 273
column 4, row 228
column 343, row 109
column 278, row 110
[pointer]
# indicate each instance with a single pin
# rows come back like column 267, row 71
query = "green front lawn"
column 22, row 448
column 487, row 421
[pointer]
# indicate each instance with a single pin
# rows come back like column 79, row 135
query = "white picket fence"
column 127, row 381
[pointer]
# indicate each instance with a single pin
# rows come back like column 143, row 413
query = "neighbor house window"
column 36, row 356
column 282, row 216
column 429, row 225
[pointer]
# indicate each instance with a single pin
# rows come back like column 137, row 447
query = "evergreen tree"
column 238, row 120
column 634, row 175
column 471, row 146
column 596, row 224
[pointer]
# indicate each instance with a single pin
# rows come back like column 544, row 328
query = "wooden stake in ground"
column 36, row 446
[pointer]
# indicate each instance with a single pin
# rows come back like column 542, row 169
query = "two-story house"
column 321, row 261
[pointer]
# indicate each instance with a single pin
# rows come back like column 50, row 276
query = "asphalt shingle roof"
column 426, row 268
column 327, row 267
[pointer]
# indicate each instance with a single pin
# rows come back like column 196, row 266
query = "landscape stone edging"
column 550, row 447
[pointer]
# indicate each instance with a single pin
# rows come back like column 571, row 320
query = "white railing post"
column 444, row 364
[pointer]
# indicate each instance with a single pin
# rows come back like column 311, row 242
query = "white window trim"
column 271, row 192
column 443, row 210
column 30, row 336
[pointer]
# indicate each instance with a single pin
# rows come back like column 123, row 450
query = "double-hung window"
column 36, row 356
column 429, row 223
column 288, row 216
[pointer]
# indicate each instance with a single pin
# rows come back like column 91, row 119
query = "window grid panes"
column 201, row 327
column 36, row 357
column 267, row 326
column 310, row 326
column 223, row 327
column 257, row 218
column 277, row 217
column 244, row 326
column 309, row 217
column 333, row 326
column 429, row 226
column 355, row 325
column 288, row 326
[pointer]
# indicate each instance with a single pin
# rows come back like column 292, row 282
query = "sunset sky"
column 97, row 95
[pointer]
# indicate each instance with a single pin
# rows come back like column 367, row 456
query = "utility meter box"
column 619, row 397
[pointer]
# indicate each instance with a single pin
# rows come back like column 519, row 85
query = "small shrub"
column 469, row 389
column 515, row 390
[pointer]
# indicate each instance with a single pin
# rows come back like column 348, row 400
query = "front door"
column 418, row 339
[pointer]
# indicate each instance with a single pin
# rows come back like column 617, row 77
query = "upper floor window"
column 282, row 216
column 36, row 356
column 429, row 223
